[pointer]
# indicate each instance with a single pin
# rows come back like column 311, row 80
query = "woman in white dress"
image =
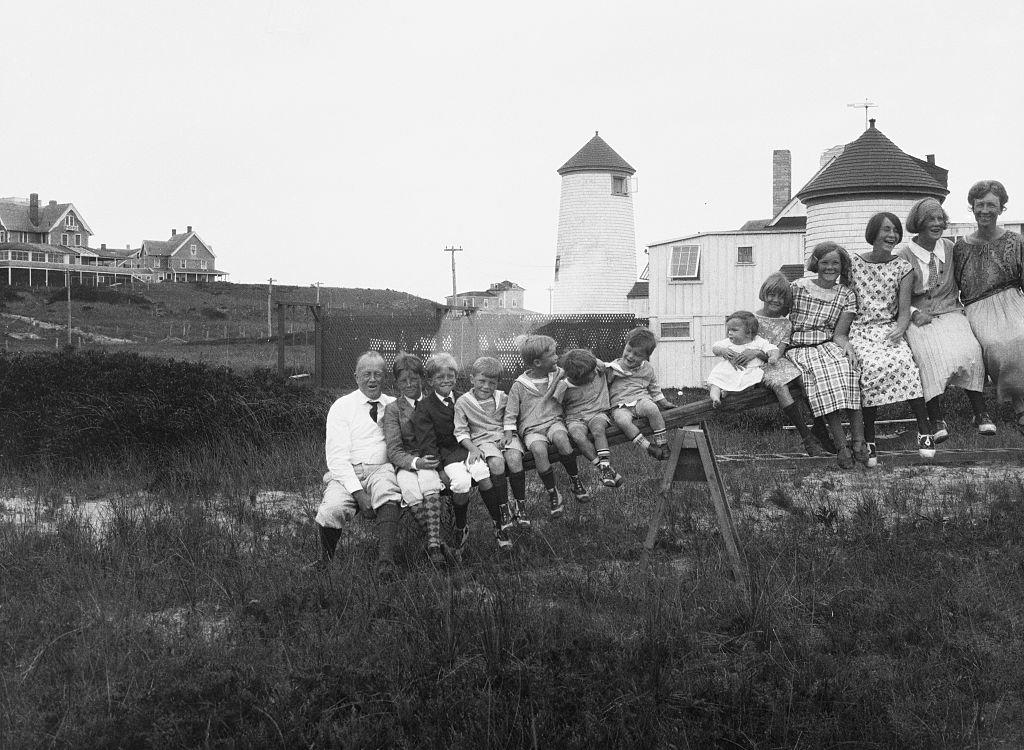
column 940, row 335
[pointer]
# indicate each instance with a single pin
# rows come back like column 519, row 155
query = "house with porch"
column 182, row 257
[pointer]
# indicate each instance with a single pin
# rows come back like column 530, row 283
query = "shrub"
column 98, row 294
column 73, row 408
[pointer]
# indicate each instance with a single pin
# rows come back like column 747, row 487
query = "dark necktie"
column 933, row 271
column 373, row 410
column 448, row 402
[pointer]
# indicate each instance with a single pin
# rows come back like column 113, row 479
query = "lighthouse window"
column 620, row 185
column 745, row 256
column 685, row 262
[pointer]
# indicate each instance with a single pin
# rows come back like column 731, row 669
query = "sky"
column 349, row 143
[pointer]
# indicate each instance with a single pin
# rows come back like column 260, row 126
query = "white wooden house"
column 695, row 281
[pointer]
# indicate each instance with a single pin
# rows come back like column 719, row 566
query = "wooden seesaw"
column 693, row 459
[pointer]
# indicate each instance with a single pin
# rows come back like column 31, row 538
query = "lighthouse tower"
column 595, row 256
column 869, row 175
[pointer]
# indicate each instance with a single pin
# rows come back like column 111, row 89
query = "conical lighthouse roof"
column 874, row 164
column 596, row 156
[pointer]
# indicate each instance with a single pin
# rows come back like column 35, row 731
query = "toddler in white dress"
column 740, row 367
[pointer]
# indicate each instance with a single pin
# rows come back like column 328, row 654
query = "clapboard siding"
column 724, row 287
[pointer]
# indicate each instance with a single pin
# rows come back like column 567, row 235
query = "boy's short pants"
column 588, row 424
column 640, row 409
column 544, row 434
column 491, row 450
column 462, row 474
column 416, row 485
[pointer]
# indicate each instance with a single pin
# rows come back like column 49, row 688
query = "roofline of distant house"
column 730, row 232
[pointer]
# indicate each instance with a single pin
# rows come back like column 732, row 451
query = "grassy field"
column 885, row 611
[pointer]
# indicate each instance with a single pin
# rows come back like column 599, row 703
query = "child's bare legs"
column 783, row 395
column 517, row 483
column 567, row 456
column 598, row 427
column 581, row 436
column 623, row 418
column 716, row 396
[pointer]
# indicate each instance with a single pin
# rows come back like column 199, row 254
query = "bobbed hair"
column 440, row 361
column 824, row 248
column 748, row 319
column 533, row 346
column 777, row 283
column 489, row 367
column 979, row 189
column 875, row 226
column 405, row 362
column 642, row 340
column 578, row 363
column 920, row 212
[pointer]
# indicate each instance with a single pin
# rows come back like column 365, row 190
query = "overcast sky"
column 350, row 142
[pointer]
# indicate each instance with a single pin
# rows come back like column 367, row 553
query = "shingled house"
column 501, row 297
column 182, row 257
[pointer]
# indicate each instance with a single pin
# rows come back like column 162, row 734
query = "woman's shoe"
column 985, row 424
column 813, row 446
column 845, row 458
column 872, row 461
column 941, row 433
column 926, row 446
column 862, row 453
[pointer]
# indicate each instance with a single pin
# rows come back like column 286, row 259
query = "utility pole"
column 866, row 105
column 317, row 285
column 551, row 290
column 67, row 278
column 453, row 250
column 270, row 291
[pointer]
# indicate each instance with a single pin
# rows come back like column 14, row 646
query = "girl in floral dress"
column 888, row 374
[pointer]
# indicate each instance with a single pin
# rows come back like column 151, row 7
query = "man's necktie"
column 448, row 402
column 933, row 271
column 373, row 410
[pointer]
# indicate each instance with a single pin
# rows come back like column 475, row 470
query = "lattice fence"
column 465, row 335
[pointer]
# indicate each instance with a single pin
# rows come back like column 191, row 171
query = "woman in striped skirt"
column 940, row 336
column 822, row 312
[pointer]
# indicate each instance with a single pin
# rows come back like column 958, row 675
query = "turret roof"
column 874, row 164
column 596, row 156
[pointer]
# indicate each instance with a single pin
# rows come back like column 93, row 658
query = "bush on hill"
column 80, row 408
column 98, row 294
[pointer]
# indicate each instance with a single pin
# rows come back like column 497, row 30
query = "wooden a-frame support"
column 692, row 461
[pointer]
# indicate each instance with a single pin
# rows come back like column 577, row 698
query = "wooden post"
column 318, row 347
column 693, row 460
column 280, row 338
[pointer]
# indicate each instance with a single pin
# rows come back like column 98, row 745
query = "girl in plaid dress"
column 822, row 311
column 888, row 374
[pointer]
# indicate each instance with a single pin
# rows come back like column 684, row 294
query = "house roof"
column 596, row 156
column 506, row 285
column 792, row 271
column 640, row 290
column 488, row 293
column 14, row 215
column 874, row 164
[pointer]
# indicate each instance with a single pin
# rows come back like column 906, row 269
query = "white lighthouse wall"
column 844, row 220
column 596, row 246
column 724, row 286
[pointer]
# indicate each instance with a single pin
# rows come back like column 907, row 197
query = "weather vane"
column 866, row 105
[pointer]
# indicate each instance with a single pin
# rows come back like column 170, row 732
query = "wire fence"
column 465, row 335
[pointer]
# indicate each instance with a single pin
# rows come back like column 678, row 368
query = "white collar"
column 924, row 256
column 412, row 401
column 496, row 398
column 443, row 399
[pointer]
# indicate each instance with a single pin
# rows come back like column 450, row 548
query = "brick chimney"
column 33, row 208
column 930, row 158
column 174, row 232
column 782, row 179
column 190, row 229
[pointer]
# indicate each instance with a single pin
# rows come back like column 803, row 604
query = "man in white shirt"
column 359, row 477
